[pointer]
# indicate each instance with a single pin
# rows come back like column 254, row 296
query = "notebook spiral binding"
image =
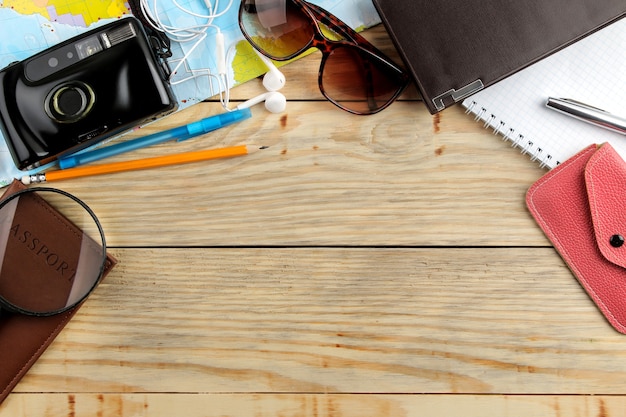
column 517, row 140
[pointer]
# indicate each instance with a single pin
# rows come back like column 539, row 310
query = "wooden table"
column 361, row 266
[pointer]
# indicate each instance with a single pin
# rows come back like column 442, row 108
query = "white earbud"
column 275, row 102
column 273, row 80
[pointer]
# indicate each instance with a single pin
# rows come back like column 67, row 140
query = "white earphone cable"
column 194, row 33
column 198, row 33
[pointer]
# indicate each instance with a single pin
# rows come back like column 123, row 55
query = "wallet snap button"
column 617, row 241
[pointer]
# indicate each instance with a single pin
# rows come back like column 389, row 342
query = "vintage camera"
column 82, row 91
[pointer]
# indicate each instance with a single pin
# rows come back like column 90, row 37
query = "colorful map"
column 70, row 12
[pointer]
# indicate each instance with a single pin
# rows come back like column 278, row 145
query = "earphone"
column 273, row 80
column 275, row 102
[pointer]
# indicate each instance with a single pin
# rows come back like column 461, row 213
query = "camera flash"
column 88, row 47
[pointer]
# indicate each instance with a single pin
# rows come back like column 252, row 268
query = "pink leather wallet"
column 581, row 207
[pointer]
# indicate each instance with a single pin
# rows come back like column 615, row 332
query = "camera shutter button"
column 69, row 102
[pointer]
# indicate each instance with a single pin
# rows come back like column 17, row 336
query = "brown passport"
column 24, row 338
column 455, row 48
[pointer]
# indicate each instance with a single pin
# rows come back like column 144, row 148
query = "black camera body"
column 81, row 92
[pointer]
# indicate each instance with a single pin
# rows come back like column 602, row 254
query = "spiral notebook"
column 454, row 48
column 592, row 70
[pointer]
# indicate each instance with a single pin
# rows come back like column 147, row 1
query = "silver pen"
column 588, row 114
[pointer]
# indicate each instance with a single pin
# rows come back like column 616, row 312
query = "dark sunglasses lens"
column 358, row 81
column 48, row 263
column 278, row 27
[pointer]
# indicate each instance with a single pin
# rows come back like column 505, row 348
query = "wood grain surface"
column 360, row 266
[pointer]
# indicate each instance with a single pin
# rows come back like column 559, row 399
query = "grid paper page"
column 592, row 71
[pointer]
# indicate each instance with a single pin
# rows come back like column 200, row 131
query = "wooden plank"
column 310, row 405
column 398, row 178
column 500, row 321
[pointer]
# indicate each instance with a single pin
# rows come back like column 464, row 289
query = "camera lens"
column 69, row 102
column 53, row 62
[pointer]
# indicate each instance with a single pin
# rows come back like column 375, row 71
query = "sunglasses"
column 354, row 75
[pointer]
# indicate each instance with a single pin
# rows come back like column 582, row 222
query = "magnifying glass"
column 52, row 251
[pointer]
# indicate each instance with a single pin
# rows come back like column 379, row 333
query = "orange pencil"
column 155, row 162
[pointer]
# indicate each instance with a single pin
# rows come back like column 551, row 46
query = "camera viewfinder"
column 88, row 47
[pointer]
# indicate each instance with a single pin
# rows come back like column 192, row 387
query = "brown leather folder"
column 24, row 338
column 456, row 48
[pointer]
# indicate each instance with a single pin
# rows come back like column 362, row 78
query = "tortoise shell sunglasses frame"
column 379, row 80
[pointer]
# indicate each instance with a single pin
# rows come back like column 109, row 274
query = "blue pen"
column 180, row 133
